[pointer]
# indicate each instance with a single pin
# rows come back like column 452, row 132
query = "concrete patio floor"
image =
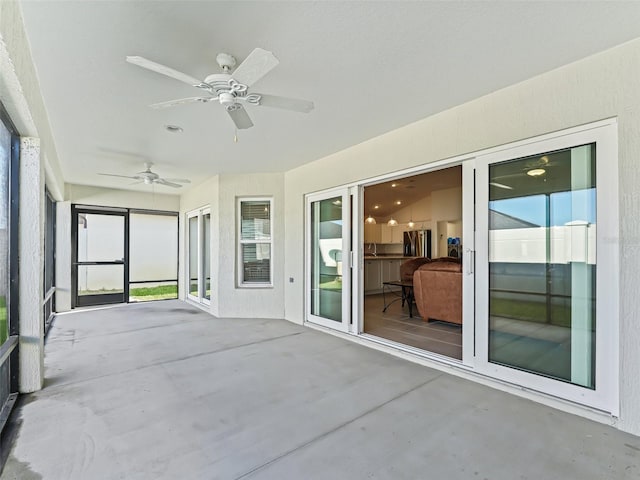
column 165, row 391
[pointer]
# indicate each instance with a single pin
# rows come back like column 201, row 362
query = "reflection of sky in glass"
column 532, row 208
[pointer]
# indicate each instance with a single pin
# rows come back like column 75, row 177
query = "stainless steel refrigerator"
column 417, row 243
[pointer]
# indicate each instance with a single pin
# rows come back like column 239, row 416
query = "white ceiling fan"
column 231, row 90
column 150, row 178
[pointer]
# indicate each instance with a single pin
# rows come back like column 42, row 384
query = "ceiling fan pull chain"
column 235, row 136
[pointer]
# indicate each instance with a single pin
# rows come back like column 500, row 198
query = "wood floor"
column 396, row 325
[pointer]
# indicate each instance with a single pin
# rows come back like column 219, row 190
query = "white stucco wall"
column 109, row 197
column 598, row 87
column 20, row 95
column 221, row 193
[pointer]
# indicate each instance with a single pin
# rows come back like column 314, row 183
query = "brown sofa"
column 437, row 288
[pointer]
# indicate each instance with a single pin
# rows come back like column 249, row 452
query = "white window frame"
column 240, row 283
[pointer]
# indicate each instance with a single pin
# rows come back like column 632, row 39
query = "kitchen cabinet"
column 390, row 270
column 390, row 234
column 372, row 276
column 380, row 270
column 372, row 233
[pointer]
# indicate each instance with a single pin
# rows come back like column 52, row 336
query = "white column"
column 63, row 256
column 31, row 244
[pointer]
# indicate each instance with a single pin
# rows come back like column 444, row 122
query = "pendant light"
column 370, row 220
column 392, row 222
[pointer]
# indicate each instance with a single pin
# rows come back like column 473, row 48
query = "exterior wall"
column 20, row 95
column 221, row 194
column 109, row 197
column 601, row 86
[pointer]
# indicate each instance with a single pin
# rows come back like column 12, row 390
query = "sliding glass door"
column 328, row 259
column 545, row 302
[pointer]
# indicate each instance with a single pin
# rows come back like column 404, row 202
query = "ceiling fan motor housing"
column 227, row 99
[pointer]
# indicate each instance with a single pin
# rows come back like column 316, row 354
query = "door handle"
column 471, row 260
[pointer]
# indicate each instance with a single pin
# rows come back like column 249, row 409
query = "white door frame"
column 346, row 308
column 605, row 395
column 199, row 213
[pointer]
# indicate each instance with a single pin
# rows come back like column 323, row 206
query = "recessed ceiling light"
column 536, row 172
column 376, row 206
column 398, row 202
column 394, row 185
column 501, row 185
column 173, row 128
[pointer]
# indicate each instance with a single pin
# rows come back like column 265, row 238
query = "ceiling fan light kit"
column 231, row 90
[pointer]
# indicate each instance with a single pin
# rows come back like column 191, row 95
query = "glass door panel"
column 193, row 257
column 545, row 284
column 101, row 256
column 199, row 255
column 206, row 255
column 329, row 284
column 100, row 279
column 542, row 264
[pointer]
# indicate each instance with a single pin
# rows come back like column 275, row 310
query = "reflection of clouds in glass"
column 532, row 209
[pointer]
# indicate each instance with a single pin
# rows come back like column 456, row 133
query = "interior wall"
column 598, row 87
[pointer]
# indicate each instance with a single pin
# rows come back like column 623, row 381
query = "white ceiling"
column 370, row 67
column 381, row 200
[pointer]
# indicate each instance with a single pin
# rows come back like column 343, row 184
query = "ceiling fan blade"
column 255, row 66
column 241, row 118
column 182, row 101
column 163, row 70
column 178, row 180
column 303, row 106
column 162, row 181
column 120, row 176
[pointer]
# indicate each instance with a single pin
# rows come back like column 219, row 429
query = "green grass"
column 332, row 285
column 161, row 292
column 530, row 311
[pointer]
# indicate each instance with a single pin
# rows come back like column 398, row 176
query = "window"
column 255, row 242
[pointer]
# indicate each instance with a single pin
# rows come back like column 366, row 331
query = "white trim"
column 468, row 262
column 344, row 324
column 606, row 393
column 198, row 213
column 239, row 242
